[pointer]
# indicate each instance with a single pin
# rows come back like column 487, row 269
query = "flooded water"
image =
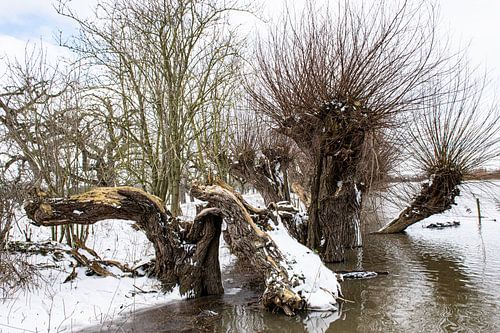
column 439, row 281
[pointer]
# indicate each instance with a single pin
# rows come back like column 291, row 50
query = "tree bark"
column 335, row 209
column 249, row 242
column 333, row 139
column 313, row 229
column 186, row 255
column 267, row 173
column 435, row 197
column 340, row 221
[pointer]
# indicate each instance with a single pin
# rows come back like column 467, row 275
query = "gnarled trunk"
column 435, row 197
column 186, row 255
column 335, row 209
column 295, row 278
column 340, row 221
column 249, row 242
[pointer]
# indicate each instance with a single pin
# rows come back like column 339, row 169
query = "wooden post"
column 478, row 211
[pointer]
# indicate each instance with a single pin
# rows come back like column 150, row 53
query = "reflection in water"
column 436, row 283
column 242, row 319
column 439, row 281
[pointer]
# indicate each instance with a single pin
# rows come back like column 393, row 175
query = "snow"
column 84, row 301
column 55, row 306
column 319, row 285
column 90, row 300
column 87, row 300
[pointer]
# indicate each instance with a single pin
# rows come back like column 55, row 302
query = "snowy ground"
column 88, row 301
column 58, row 307
column 55, row 306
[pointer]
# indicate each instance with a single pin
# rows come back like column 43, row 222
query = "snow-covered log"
column 186, row 253
column 294, row 276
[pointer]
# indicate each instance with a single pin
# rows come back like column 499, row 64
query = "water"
column 439, row 281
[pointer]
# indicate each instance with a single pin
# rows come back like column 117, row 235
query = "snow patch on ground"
column 87, row 300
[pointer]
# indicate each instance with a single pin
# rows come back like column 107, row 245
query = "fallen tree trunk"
column 186, row 255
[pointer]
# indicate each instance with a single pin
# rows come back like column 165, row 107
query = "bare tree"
column 330, row 82
column 262, row 157
column 61, row 136
column 170, row 67
column 454, row 137
column 25, row 98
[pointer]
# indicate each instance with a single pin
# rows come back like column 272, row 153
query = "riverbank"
column 440, row 280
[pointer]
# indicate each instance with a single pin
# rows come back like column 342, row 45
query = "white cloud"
column 26, row 23
column 16, row 11
column 15, row 48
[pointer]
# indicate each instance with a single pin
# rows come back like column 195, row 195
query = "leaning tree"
column 334, row 79
column 456, row 135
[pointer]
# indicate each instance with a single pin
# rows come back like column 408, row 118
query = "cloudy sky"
column 475, row 23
